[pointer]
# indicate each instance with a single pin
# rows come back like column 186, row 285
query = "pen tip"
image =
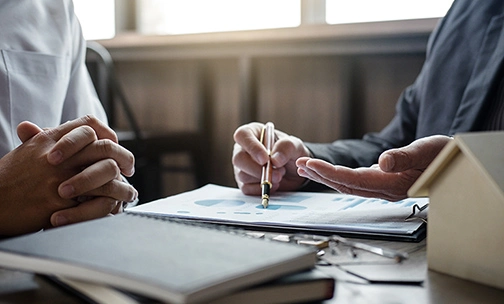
column 265, row 202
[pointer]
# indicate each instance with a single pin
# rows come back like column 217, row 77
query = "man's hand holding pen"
column 250, row 155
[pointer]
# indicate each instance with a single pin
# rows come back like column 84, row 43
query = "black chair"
column 148, row 147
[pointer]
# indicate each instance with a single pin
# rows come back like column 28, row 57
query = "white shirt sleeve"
column 43, row 77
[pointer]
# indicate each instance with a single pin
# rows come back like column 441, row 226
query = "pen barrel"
column 269, row 136
column 268, row 140
column 267, row 172
column 265, row 190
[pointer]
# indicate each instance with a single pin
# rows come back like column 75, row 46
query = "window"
column 352, row 11
column 200, row 16
column 96, row 18
column 160, row 17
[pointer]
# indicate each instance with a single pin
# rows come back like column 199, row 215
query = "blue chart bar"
column 283, row 207
column 355, row 204
column 220, row 203
column 291, row 198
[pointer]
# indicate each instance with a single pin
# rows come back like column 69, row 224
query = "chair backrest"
column 150, row 147
column 101, row 69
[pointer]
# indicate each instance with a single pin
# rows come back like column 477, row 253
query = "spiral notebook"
column 161, row 259
column 314, row 212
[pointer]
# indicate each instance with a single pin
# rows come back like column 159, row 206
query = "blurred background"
column 319, row 69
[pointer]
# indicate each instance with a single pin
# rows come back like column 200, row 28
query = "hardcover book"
column 158, row 258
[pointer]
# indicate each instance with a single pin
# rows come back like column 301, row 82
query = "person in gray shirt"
column 459, row 89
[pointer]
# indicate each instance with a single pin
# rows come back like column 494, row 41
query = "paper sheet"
column 313, row 210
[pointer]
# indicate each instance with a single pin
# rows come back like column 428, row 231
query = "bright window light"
column 97, row 18
column 352, row 11
column 200, row 16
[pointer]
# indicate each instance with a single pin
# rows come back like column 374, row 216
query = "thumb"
column 27, row 130
column 417, row 155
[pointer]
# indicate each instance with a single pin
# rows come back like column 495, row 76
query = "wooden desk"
column 18, row 287
column 437, row 287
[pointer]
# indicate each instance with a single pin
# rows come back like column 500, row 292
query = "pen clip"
column 263, row 131
column 416, row 210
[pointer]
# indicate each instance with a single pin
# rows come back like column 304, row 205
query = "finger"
column 360, row 178
column 90, row 178
column 251, row 189
column 369, row 182
column 27, row 130
column 247, row 178
column 102, row 130
column 348, row 188
column 71, row 143
column 119, row 208
column 340, row 176
column 251, row 185
column 88, row 210
column 417, row 155
column 105, row 149
column 301, row 162
column 244, row 162
column 116, row 189
column 247, row 136
column 288, row 149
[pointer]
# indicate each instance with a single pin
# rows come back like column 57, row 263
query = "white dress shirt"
column 43, row 77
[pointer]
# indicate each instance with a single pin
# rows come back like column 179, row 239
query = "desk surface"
column 19, row 287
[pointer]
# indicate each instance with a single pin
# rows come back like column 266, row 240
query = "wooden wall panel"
column 225, row 118
column 302, row 95
column 163, row 94
column 311, row 97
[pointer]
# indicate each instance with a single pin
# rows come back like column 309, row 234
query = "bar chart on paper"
column 311, row 211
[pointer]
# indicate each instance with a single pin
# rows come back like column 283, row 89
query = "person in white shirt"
column 60, row 162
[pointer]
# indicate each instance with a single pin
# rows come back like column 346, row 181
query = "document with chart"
column 310, row 212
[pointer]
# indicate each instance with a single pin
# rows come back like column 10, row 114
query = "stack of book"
column 169, row 261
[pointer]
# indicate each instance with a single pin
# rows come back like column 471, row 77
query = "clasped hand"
column 63, row 175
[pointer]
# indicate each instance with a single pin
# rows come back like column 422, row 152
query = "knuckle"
column 237, row 149
column 404, row 156
column 89, row 119
column 86, row 180
column 69, row 141
column 237, row 159
column 108, row 188
column 245, row 133
column 112, row 167
column 46, row 135
column 238, row 133
column 131, row 194
column 287, row 144
column 130, row 158
column 106, row 147
column 107, row 204
column 88, row 132
column 259, row 151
